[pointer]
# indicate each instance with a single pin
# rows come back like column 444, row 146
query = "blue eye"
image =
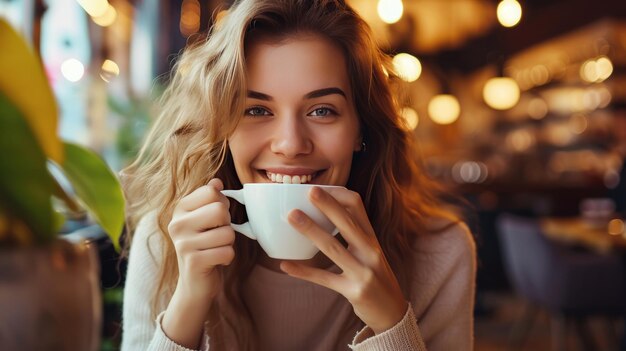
column 257, row 111
column 322, row 112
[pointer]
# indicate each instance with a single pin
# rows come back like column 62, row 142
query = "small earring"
column 363, row 146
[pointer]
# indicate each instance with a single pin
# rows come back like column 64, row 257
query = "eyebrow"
column 311, row 95
column 323, row 92
column 259, row 96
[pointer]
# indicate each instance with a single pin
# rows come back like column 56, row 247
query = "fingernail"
column 298, row 217
column 316, row 193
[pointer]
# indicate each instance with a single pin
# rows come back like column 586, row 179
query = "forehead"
column 299, row 62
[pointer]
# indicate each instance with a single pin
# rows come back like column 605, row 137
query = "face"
column 300, row 124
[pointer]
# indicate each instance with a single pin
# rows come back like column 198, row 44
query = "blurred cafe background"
column 519, row 107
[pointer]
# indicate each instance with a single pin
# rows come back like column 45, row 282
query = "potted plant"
column 49, row 287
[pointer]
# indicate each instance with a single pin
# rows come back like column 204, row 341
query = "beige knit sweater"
column 292, row 314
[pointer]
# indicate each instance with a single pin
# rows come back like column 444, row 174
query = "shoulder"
column 443, row 260
column 445, row 243
column 146, row 225
column 147, row 238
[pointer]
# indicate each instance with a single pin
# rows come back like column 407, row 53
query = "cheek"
column 243, row 152
column 339, row 151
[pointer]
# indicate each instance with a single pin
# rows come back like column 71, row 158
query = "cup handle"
column 235, row 194
column 243, row 228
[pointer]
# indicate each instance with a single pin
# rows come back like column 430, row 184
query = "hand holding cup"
column 203, row 239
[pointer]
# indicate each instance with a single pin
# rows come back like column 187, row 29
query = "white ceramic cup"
column 267, row 206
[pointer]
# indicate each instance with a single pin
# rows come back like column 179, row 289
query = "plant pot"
column 50, row 298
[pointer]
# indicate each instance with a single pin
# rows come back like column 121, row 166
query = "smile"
column 290, row 179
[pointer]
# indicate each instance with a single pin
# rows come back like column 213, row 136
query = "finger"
column 222, row 236
column 314, row 275
column 209, row 258
column 212, row 215
column 203, row 195
column 348, row 226
column 324, row 241
column 351, row 200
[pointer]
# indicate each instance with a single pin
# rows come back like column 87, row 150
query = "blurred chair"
column 570, row 284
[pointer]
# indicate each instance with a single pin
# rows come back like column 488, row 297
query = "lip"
column 292, row 171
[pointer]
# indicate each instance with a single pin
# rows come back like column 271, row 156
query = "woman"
column 282, row 91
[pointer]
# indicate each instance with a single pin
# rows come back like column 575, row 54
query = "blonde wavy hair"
column 187, row 145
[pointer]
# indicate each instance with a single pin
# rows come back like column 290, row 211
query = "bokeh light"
column 72, row 70
column 616, row 226
column 107, row 18
column 598, row 70
column 95, row 8
column 501, row 93
column 407, row 66
column 390, row 11
column 190, row 17
column 444, row 109
column 410, row 117
column 537, row 108
column 110, row 70
column 509, row 13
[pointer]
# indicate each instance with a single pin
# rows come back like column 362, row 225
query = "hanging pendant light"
column 501, row 92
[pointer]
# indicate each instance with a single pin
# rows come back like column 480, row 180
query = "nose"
column 290, row 137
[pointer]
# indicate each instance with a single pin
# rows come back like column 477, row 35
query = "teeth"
column 289, row 179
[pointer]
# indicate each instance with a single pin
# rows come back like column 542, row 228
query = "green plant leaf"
column 25, row 184
column 24, row 82
column 58, row 220
column 97, row 187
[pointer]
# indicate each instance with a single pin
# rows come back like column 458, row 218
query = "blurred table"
column 600, row 236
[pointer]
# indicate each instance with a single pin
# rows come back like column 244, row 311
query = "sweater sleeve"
column 139, row 330
column 440, row 315
column 403, row 336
